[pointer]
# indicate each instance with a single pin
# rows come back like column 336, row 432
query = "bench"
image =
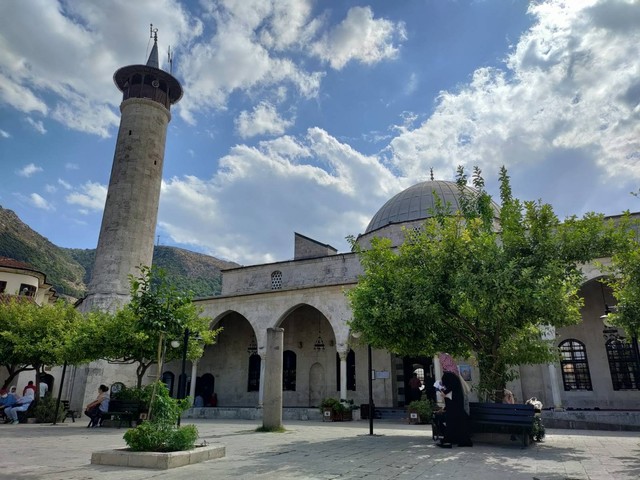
column 124, row 411
column 68, row 413
column 514, row 419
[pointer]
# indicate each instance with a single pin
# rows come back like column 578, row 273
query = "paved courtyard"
column 312, row 450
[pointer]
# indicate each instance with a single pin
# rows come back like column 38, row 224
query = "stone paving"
column 314, row 450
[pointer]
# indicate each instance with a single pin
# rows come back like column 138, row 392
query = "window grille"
column 623, row 365
column 575, row 366
column 351, row 371
column 288, row 371
column 276, row 280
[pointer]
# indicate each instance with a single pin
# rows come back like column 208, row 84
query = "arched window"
column 253, row 384
column 276, row 280
column 351, row 371
column 288, row 371
column 574, row 364
column 623, row 365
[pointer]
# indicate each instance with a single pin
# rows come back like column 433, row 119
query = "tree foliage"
column 32, row 336
column 624, row 277
column 139, row 332
column 480, row 282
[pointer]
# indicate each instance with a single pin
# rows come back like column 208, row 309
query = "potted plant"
column 420, row 411
column 347, row 409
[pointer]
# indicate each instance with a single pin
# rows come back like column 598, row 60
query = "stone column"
column 555, row 390
column 194, row 374
column 437, row 372
column 343, row 375
column 272, row 401
column 548, row 333
column 261, row 385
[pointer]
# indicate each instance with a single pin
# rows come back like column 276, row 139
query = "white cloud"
column 4, row 134
column 50, row 188
column 91, row 196
column 264, row 120
column 28, row 170
column 315, row 176
column 65, row 185
column 569, row 91
column 39, row 202
column 97, row 35
column 71, row 166
column 37, row 125
column 359, row 37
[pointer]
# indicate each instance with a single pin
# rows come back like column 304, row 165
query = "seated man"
column 22, row 405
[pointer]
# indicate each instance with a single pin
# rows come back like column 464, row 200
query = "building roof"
column 417, row 203
column 12, row 263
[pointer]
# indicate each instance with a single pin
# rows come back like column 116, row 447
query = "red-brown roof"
column 10, row 262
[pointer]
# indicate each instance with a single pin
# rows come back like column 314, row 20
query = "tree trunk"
column 493, row 374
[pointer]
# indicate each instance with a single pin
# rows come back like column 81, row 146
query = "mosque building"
column 306, row 297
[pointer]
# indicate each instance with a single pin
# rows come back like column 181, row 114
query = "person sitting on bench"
column 22, row 405
column 99, row 406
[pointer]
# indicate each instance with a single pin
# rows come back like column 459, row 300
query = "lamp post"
column 357, row 335
column 182, row 380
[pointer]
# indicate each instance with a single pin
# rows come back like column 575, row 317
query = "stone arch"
column 309, row 334
column 229, row 359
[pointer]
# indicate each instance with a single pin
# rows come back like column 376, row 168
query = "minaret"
column 131, row 210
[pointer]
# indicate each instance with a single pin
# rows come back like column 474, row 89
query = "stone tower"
column 131, row 210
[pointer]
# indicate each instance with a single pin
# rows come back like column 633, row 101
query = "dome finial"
column 431, row 171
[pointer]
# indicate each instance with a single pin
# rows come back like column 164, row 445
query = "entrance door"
column 317, row 390
column 422, row 367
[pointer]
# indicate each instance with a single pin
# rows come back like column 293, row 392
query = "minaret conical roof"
column 153, row 56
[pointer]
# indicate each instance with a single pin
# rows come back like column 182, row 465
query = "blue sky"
column 307, row 116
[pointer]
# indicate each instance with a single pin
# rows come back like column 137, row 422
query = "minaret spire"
column 153, row 56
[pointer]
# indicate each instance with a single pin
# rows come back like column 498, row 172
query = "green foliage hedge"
column 160, row 433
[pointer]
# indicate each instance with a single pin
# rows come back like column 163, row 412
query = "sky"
column 307, row 116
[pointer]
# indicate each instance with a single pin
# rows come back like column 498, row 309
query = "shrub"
column 45, row 410
column 161, row 433
column 142, row 394
column 424, row 408
column 332, row 403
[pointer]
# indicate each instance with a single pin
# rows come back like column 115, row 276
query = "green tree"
column 624, row 277
column 480, row 282
column 138, row 333
column 32, row 336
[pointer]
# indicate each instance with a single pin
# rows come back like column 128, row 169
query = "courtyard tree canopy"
column 480, row 282
column 34, row 336
column 625, row 277
column 139, row 332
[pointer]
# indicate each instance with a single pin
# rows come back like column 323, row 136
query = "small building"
column 21, row 279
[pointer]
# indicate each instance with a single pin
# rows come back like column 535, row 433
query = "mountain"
column 69, row 269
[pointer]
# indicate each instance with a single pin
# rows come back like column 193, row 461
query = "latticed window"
column 288, row 370
column 623, row 365
column 351, row 371
column 276, row 280
column 575, row 366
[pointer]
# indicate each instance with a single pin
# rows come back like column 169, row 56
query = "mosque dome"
column 417, row 203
